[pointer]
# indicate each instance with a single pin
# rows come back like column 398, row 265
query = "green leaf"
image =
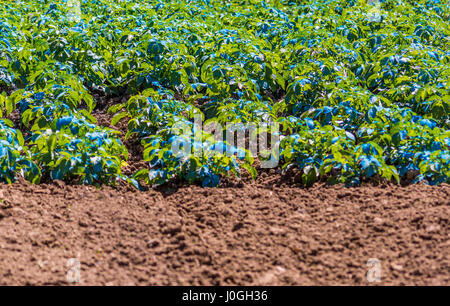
column 118, row 117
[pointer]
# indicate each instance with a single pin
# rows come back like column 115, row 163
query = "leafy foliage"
column 361, row 90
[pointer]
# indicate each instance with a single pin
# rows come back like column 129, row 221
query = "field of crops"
column 322, row 126
column 360, row 91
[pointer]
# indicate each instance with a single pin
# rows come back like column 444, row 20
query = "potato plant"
column 360, row 88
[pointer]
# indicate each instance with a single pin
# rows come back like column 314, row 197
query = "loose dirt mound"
column 254, row 235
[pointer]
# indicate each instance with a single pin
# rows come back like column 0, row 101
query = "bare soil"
column 255, row 234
